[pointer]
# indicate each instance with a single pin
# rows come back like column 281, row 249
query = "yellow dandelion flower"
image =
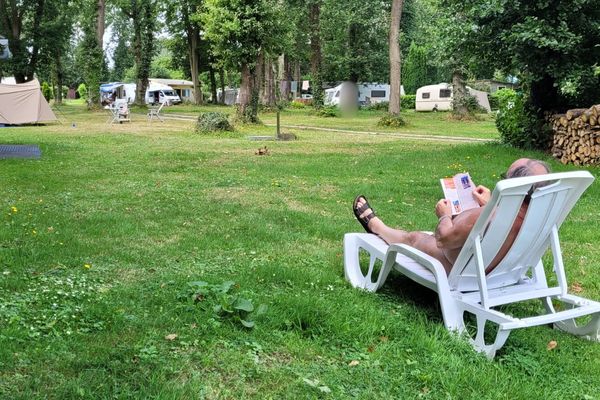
column 33, row 232
column 87, row 266
column 14, row 209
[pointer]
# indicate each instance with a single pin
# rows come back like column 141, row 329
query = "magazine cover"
column 459, row 191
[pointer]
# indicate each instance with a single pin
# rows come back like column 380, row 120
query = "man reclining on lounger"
column 451, row 232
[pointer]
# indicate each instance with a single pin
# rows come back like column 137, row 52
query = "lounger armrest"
column 432, row 264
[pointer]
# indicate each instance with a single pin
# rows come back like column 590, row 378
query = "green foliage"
column 415, row 69
column 552, row 45
column 494, row 101
column 224, row 300
column 212, row 122
column 518, row 126
column 391, row 121
column 56, row 304
column 408, row 101
column 297, row 104
column 255, row 24
column 327, row 111
column 379, row 106
column 47, row 91
column 82, row 91
column 469, row 103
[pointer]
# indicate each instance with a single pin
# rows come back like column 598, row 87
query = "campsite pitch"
column 147, row 261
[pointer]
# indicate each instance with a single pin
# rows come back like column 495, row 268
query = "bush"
column 47, row 91
column 381, row 106
column 213, row 122
column 494, row 101
column 327, row 111
column 82, row 91
column 297, row 104
column 408, row 101
column 470, row 102
column 392, row 121
column 517, row 124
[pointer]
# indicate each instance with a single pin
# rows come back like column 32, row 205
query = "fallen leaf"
column 371, row 348
column 171, row 336
column 383, row 338
column 576, row 287
column 551, row 345
column 353, row 363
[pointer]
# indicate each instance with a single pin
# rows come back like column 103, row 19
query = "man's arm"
column 452, row 233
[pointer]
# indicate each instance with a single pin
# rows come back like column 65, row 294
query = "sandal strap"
column 364, row 208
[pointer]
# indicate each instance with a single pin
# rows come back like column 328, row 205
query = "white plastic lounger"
column 519, row 276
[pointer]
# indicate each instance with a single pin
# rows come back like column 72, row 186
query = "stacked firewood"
column 577, row 136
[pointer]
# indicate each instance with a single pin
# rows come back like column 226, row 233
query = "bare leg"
column 419, row 240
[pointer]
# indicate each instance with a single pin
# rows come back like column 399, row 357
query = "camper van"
column 368, row 93
column 439, row 98
column 158, row 93
column 155, row 93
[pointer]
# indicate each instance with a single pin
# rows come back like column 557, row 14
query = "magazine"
column 459, row 191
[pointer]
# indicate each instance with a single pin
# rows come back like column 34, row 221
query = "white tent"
column 24, row 104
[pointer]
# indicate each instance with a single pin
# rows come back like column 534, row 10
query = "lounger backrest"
column 548, row 207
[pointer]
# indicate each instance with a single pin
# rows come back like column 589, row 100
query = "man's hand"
column 443, row 207
column 482, row 195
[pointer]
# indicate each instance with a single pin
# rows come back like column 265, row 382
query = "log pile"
column 577, row 136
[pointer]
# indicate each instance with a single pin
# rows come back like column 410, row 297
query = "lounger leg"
column 589, row 331
column 479, row 342
column 352, row 270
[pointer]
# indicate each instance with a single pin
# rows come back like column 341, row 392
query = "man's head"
column 528, row 167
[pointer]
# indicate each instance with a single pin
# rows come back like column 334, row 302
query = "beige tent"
column 23, row 104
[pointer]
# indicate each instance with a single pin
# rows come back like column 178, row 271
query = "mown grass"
column 430, row 124
column 112, row 223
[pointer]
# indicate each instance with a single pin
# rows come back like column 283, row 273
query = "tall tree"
column 394, row 54
column 20, row 23
column 552, row 46
column 57, row 27
column 416, row 70
column 314, row 23
column 238, row 31
column 92, row 56
column 142, row 14
column 183, row 18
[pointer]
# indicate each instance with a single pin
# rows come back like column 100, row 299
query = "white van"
column 439, row 98
column 158, row 94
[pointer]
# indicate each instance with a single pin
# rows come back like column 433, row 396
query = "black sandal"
column 358, row 211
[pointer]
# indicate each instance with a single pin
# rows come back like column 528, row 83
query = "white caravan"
column 368, row 93
column 439, row 98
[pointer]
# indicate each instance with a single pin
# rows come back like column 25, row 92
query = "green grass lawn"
column 422, row 123
column 101, row 237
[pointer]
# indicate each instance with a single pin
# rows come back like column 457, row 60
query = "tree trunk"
column 245, row 94
column 193, row 42
column 259, row 75
column 394, row 53
column 314, row 17
column 100, row 22
column 58, row 77
column 213, row 85
column 268, row 97
column 459, row 94
column 222, row 80
column 286, row 86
